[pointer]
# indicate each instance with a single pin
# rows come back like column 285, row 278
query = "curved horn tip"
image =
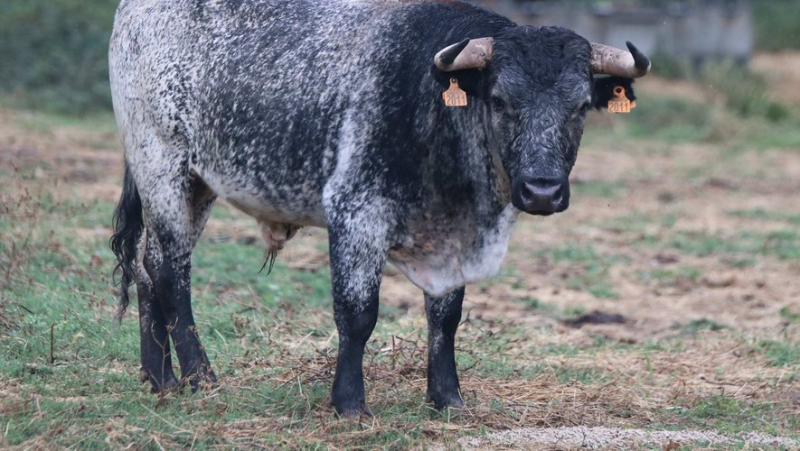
column 467, row 54
column 642, row 61
column 447, row 56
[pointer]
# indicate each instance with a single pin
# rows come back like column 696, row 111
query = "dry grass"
column 659, row 232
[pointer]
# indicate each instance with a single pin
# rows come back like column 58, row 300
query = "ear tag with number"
column 455, row 96
column 620, row 103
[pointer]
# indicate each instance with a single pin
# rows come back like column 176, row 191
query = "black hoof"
column 159, row 385
column 441, row 402
column 355, row 412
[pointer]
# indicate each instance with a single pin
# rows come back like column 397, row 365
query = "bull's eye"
column 582, row 109
column 498, row 105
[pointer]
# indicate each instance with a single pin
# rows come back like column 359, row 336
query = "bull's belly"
column 304, row 208
column 437, row 263
column 443, row 264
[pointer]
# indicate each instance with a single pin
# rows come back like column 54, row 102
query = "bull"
column 329, row 113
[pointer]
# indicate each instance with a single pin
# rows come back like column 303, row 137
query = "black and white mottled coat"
column 328, row 113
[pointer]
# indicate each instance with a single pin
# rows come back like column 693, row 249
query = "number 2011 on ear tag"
column 620, row 103
column 455, row 96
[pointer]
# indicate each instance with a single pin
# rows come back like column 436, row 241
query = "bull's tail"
column 128, row 225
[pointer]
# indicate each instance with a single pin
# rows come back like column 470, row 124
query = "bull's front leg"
column 358, row 254
column 444, row 315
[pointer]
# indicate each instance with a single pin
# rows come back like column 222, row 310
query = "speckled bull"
column 329, row 113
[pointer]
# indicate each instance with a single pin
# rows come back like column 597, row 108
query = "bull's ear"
column 604, row 90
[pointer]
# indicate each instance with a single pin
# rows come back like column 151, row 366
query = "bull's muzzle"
column 541, row 196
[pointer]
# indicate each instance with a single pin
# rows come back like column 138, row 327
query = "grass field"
column 685, row 220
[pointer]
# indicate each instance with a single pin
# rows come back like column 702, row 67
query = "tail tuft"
column 128, row 226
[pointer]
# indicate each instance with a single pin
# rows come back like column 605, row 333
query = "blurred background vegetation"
column 53, row 53
column 777, row 24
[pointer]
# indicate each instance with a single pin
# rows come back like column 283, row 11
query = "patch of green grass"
column 599, row 189
column 787, row 314
column 564, row 373
column 493, row 361
column 765, row 215
column 598, row 288
column 574, row 311
column 99, row 123
column 781, row 353
column 762, row 136
column 730, row 415
column 784, row 244
column 671, row 119
column 232, row 270
column 699, row 325
column 589, row 272
column 573, row 253
column 558, row 349
column 224, row 213
column 740, row 262
column 583, row 375
column 536, row 304
column 678, row 275
column 635, row 221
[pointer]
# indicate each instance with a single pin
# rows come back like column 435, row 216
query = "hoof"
column 355, row 412
column 170, row 385
column 441, row 402
column 158, row 386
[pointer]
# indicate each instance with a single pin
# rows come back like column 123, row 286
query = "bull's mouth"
column 543, row 212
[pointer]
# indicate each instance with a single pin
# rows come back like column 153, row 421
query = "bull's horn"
column 613, row 61
column 467, row 54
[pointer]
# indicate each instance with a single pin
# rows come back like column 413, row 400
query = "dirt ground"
column 783, row 72
column 660, row 192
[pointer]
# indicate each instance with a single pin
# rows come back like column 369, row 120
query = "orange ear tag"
column 620, row 103
column 455, row 96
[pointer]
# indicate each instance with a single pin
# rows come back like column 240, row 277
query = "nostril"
column 541, row 195
column 545, row 192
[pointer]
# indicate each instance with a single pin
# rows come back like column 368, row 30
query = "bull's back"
column 279, row 91
column 265, row 96
column 253, row 92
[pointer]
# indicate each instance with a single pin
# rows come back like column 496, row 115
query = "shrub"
column 54, row 53
column 776, row 24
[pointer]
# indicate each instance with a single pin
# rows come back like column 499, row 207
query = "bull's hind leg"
column 156, row 354
column 358, row 253
column 444, row 315
column 176, row 217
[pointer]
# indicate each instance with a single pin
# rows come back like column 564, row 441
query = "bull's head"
column 538, row 85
